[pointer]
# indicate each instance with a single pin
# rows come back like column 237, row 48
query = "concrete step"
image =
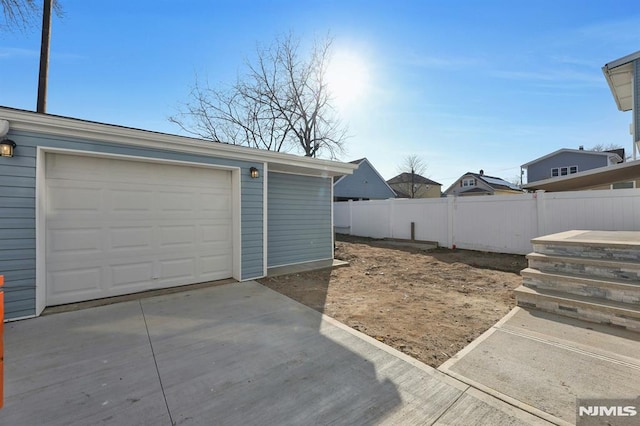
column 619, row 246
column 585, row 267
column 614, row 290
column 584, row 308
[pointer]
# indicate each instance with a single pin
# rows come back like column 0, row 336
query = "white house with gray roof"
column 480, row 184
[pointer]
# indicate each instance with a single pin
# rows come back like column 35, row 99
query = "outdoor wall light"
column 254, row 173
column 6, row 148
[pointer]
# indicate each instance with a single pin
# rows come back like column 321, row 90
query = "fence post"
column 392, row 209
column 540, row 213
column 350, row 204
column 450, row 216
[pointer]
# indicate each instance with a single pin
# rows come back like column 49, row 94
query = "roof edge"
column 622, row 61
column 74, row 127
column 544, row 157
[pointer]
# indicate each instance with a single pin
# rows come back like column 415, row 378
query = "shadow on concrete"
column 233, row 354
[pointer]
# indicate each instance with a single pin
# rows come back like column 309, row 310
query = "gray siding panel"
column 17, row 212
column 299, row 219
column 17, row 192
column 18, row 254
column 15, row 202
column 19, row 308
column 17, row 217
column 12, row 233
column 20, row 159
column 585, row 161
column 16, row 244
column 19, row 181
column 16, row 222
column 22, row 171
column 8, row 266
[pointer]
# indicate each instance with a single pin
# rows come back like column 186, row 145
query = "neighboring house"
column 364, row 184
column 481, row 184
column 623, row 77
column 91, row 210
column 422, row 187
column 564, row 162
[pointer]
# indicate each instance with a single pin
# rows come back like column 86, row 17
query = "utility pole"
column 44, row 57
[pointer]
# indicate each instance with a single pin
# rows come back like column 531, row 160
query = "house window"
column 563, row 171
column 468, row 182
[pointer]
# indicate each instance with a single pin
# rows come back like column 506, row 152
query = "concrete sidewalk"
column 232, row 354
column 544, row 362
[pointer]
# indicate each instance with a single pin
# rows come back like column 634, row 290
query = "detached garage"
column 90, row 210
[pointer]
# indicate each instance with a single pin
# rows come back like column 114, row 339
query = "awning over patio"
column 589, row 179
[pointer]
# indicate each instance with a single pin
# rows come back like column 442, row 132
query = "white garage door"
column 116, row 227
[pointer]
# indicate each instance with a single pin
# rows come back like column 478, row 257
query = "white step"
column 618, row 245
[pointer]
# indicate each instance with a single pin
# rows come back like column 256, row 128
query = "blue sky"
column 466, row 85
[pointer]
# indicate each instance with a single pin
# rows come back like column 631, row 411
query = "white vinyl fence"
column 500, row 223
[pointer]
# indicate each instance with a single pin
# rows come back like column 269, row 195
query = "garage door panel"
column 74, row 241
column 214, row 264
column 126, row 200
column 177, row 236
column 78, row 282
column 215, row 233
column 130, row 238
column 69, row 200
column 131, row 273
column 178, row 268
column 116, row 226
column 218, row 202
column 172, row 201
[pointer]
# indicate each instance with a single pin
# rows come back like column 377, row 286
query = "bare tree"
column 602, row 147
column 23, row 14
column 282, row 103
column 410, row 181
column 610, row 147
column 413, row 163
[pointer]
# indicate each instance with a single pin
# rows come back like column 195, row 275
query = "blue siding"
column 17, row 231
column 17, row 211
column 299, row 219
column 584, row 161
column 365, row 182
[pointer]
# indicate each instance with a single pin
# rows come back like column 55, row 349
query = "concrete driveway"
column 232, row 354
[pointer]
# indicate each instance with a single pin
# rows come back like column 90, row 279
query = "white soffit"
column 619, row 75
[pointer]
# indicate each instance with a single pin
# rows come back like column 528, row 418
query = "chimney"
column 481, row 172
column 581, row 147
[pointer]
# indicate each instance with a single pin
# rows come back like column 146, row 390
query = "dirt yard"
column 428, row 304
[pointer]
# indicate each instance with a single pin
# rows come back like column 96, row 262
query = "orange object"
column 1, row 341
